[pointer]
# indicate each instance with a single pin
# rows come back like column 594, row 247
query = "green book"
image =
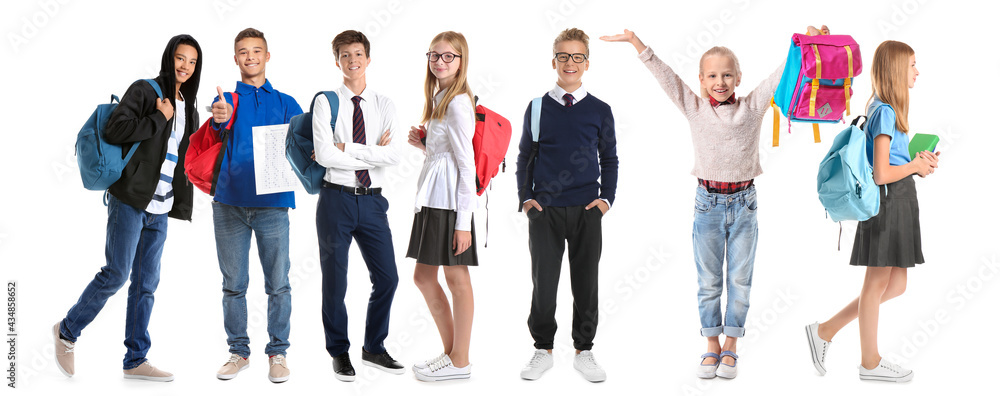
column 922, row 142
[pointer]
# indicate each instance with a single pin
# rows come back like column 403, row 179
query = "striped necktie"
column 359, row 137
column 568, row 98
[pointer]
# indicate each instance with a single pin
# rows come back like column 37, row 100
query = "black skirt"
column 892, row 237
column 432, row 236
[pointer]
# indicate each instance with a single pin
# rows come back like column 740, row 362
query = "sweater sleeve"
column 461, row 127
column 607, row 150
column 136, row 118
column 682, row 95
column 760, row 97
column 524, row 150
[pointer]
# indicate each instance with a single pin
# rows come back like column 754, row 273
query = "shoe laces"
column 68, row 344
column 278, row 359
column 892, row 367
column 234, row 358
column 439, row 364
column 588, row 361
column 536, row 360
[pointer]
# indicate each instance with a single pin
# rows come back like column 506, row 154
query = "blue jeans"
column 233, row 227
column 725, row 225
column 134, row 244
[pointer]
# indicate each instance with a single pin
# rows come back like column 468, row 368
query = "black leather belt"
column 353, row 190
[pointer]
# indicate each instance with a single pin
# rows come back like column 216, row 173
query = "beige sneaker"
column 146, row 371
column 235, row 364
column 64, row 352
column 279, row 369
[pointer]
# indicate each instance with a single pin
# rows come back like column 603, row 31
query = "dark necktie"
column 359, row 137
column 568, row 98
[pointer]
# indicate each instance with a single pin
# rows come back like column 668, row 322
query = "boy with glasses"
column 565, row 191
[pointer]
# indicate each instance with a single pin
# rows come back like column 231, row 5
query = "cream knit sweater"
column 725, row 138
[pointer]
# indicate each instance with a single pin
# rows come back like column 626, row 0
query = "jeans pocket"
column 701, row 206
column 750, row 202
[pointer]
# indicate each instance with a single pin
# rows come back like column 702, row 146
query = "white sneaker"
column 540, row 362
column 584, row 363
column 428, row 362
column 442, row 370
column 885, row 371
column 817, row 347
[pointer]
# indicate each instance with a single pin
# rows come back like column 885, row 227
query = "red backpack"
column 206, row 150
column 489, row 145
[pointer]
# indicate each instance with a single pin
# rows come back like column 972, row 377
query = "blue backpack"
column 101, row 163
column 845, row 183
column 299, row 144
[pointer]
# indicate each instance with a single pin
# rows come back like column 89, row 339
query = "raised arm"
column 682, row 95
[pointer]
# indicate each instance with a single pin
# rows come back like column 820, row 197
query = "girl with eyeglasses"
column 443, row 232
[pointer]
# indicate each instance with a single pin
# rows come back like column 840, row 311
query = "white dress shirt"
column 558, row 92
column 448, row 177
column 379, row 114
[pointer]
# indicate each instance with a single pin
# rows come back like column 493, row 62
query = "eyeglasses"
column 564, row 57
column 448, row 57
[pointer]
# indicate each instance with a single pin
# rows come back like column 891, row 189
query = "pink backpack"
column 815, row 86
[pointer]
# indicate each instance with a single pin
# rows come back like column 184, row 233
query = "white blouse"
column 448, row 177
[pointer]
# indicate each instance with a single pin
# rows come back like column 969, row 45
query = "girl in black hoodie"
column 152, row 187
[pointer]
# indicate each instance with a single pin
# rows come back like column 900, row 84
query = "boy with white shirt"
column 565, row 191
column 351, row 204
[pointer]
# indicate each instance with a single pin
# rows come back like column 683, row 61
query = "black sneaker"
column 381, row 361
column 342, row 368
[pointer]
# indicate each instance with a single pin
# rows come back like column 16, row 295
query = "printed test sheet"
column 272, row 171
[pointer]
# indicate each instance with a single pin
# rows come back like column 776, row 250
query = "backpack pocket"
column 821, row 102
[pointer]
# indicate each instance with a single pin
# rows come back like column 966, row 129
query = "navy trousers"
column 341, row 217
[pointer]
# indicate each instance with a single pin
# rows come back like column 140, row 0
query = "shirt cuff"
column 463, row 221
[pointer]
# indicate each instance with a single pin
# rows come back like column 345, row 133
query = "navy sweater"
column 577, row 159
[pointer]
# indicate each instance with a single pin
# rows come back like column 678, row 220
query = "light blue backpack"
column 101, row 163
column 845, row 182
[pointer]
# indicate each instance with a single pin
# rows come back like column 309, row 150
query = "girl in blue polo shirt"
column 888, row 243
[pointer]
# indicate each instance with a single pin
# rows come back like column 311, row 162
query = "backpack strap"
column 847, row 80
column 536, row 117
column 156, row 87
column 777, row 120
column 334, row 100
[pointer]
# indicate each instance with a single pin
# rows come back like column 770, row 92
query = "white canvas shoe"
column 885, row 371
column 443, row 370
column 817, row 347
column 539, row 363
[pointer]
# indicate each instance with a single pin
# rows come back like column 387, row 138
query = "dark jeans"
column 549, row 231
column 341, row 217
column 134, row 244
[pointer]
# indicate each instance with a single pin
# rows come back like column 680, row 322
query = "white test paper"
column 272, row 171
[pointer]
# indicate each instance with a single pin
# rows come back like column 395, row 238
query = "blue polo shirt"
column 882, row 121
column 257, row 107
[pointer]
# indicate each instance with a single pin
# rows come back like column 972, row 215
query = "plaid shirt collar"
column 716, row 103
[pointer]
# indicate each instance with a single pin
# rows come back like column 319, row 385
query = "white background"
column 61, row 58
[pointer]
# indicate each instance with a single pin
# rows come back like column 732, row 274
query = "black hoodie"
column 137, row 120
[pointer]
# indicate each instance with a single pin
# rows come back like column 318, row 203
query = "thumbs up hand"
column 164, row 106
column 221, row 111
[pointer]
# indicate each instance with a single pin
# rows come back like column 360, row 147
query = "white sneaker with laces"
column 442, row 370
column 539, row 363
column 817, row 347
column 584, row 363
column 428, row 362
column 886, row 371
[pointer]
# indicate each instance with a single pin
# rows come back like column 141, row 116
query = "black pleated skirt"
column 431, row 239
column 892, row 237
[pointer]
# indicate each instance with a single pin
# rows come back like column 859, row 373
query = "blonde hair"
column 459, row 87
column 572, row 34
column 716, row 51
column 890, row 73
